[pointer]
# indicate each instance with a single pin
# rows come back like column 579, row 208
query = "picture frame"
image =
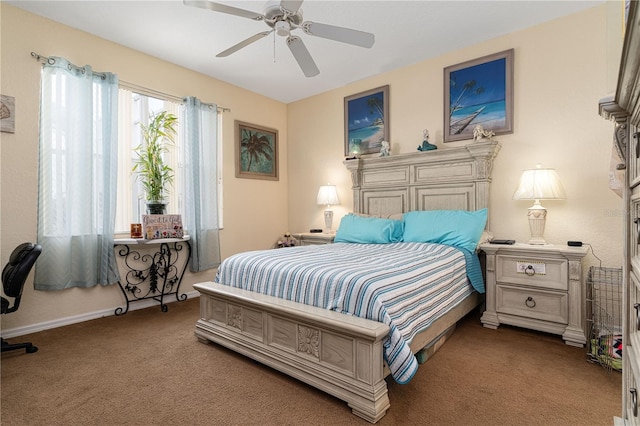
column 479, row 92
column 256, row 151
column 7, row 114
column 366, row 121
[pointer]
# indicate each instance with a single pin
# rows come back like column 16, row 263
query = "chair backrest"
column 17, row 269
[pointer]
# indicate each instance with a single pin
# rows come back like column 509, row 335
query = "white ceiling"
column 406, row 32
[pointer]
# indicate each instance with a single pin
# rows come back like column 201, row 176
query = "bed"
column 339, row 353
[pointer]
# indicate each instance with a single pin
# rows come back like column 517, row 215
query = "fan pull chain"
column 274, row 47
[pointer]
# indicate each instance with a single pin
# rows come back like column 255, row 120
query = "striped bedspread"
column 404, row 285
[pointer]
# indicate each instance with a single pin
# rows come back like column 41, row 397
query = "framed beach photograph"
column 256, row 151
column 479, row 92
column 366, row 121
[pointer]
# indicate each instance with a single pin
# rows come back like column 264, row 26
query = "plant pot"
column 156, row 207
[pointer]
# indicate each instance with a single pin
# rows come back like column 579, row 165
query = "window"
column 135, row 109
column 86, row 155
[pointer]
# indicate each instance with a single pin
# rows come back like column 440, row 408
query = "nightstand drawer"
column 313, row 238
column 540, row 272
column 541, row 305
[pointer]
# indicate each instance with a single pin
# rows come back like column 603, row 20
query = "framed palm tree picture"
column 479, row 93
column 366, row 121
column 256, row 151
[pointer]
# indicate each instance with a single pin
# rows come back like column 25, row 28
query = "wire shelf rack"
column 604, row 317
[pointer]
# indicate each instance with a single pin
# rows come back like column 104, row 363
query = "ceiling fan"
column 283, row 17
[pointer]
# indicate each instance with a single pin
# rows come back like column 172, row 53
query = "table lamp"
column 328, row 195
column 538, row 184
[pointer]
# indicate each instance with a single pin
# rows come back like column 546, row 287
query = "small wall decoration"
column 256, row 151
column 366, row 121
column 479, row 92
column 7, row 114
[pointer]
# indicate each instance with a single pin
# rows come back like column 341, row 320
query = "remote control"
column 509, row 242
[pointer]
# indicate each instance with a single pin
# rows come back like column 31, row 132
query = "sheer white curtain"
column 201, row 189
column 77, row 177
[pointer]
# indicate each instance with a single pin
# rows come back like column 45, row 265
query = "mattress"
column 404, row 285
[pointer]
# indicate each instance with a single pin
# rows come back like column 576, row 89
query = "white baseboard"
column 61, row 322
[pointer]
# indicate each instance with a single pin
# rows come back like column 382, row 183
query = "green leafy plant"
column 149, row 165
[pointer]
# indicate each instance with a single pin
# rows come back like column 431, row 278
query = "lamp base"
column 537, row 218
column 328, row 221
column 537, row 241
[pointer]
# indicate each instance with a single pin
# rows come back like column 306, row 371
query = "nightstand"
column 309, row 238
column 537, row 287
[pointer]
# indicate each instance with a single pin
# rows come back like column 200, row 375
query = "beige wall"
column 244, row 230
column 562, row 68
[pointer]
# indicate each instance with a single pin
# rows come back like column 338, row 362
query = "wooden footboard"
column 336, row 353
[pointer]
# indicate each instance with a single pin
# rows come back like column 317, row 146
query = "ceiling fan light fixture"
column 283, row 28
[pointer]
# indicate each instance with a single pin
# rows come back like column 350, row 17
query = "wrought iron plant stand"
column 153, row 274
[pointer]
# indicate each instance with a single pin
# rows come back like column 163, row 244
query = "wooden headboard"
column 444, row 179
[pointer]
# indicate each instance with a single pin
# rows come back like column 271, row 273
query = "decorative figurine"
column 426, row 146
column 288, row 241
column 385, row 149
column 482, row 135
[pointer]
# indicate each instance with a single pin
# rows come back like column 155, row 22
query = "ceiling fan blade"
column 344, row 35
column 243, row 43
column 291, row 6
column 219, row 7
column 302, row 55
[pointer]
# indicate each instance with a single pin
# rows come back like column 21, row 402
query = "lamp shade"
column 328, row 195
column 539, row 184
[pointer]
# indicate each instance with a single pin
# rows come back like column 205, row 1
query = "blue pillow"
column 458, row 228
column 368, row 230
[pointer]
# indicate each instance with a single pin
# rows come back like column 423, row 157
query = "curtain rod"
column 157, row 94
column 51, row 61
column 134, row 87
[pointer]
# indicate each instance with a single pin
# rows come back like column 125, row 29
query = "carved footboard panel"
column 336, row 353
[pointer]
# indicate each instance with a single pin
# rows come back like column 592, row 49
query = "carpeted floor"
column 147, row 368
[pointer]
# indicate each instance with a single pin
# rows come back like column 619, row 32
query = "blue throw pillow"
column 368, row 230
column 458, row 228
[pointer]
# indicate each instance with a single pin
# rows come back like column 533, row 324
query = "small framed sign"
column 162, row 226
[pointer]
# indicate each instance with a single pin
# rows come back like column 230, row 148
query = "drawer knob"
column 530, row 270
column 637, row 308
column 530, row 302
column 634, row 401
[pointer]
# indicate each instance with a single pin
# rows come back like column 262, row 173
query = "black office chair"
column 14, row 275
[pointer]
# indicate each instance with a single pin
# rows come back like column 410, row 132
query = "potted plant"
column 149, row 165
